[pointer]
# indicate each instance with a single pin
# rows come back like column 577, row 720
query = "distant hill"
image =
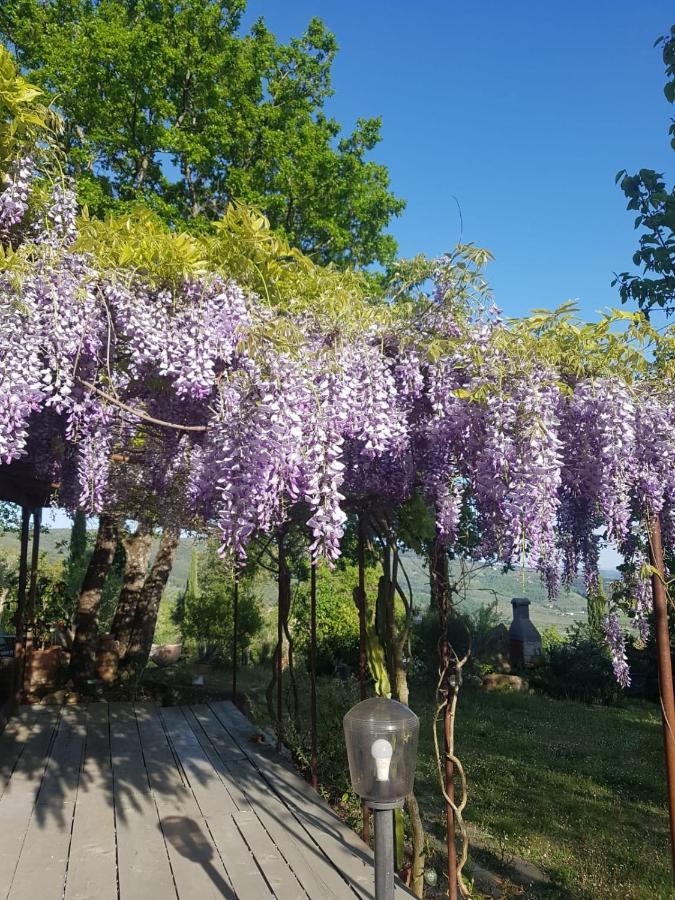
column 54, row 545
column 488, row 584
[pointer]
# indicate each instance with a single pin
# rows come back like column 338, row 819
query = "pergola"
column 19, row 484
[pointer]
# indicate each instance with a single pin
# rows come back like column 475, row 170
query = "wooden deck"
column 130, row 801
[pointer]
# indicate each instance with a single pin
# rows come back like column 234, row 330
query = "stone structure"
column 524, row 639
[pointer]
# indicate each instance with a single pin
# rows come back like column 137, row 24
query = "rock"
column 499, row 682
column 473, row 681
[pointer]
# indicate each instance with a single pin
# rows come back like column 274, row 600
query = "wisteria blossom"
column 180, row 398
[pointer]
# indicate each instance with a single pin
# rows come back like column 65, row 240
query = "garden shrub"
column 474, row 627
column 578, row 668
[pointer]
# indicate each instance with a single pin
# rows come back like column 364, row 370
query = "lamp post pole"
column 383, row 816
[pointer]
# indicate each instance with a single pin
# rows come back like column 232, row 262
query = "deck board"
column 92, row 864
column 142, row 858
column 122, row 801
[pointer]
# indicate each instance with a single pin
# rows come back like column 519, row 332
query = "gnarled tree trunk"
column 137, row 550
column 147, row 607
column 83, row 655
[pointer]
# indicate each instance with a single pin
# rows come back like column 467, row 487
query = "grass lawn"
column 577, row 790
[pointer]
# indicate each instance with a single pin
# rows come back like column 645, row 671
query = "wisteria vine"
column 177, row 397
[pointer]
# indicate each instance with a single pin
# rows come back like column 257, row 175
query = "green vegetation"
column 204, row 612
column 557, row 784
column 173, row 105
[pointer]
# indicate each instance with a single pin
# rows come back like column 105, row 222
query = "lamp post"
column 381, row 737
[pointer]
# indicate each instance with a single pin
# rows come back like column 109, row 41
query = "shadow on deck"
column 127, row 801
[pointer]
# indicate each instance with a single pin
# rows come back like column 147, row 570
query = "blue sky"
column 524, row 111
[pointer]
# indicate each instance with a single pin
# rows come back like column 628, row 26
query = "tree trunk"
column 83, row 655
column 137, row 550
column 147, row 607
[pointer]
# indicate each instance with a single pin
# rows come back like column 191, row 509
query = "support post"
column 32, row 585
column 384, row 854
column 280, row 641
column 664, row 667
column 363, row 645
column 235, row 635
column 439, row 575
column 312, row 667
column 20, row 617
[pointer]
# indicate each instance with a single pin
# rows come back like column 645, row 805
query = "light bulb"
column 382, row 751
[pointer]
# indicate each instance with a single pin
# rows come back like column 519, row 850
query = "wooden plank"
column 142, row 859
column 92, row 864
column 228, row 749
column 32, row 760
column 126, row 753
column 345, row 850
column 215, row 742
column 15, row 737
column 197, row 867
column 48, row 837
column 210, row 793
column 242, row 870
column 18, row 800
column 62, row 772
column 281, row 878
column 311, row 867
column 163, row 770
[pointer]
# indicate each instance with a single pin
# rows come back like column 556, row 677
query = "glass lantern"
column 381, row 737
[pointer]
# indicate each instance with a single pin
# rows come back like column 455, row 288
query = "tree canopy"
column 172, row 104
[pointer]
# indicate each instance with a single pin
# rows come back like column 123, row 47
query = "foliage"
column 150, row 382
column 205, row 612
column 194, row 114
column 26, row 123
column 337, row 620
column 654, row 203
column 466, row 631
column 578, row 668
column 77, row 559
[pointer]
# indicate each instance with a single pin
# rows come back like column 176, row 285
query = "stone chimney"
column 524, row 639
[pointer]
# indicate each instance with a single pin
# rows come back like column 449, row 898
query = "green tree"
column 172, row 104
column 205, row 611
column 77, row 559
column 337, row 618
column 654, row 203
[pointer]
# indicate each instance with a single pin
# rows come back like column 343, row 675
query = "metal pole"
column 384, row 854
column 235, row 635
column 312, row 662
column 363, row 659
column 312, row 672
column 440, row 581
column 665, row 669
column 280, row 641
column 32, row 588
column 20, row 618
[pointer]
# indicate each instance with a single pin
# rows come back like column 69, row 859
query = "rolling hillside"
column 486, row 585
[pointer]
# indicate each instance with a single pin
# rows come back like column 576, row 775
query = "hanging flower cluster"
column 179, row 396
